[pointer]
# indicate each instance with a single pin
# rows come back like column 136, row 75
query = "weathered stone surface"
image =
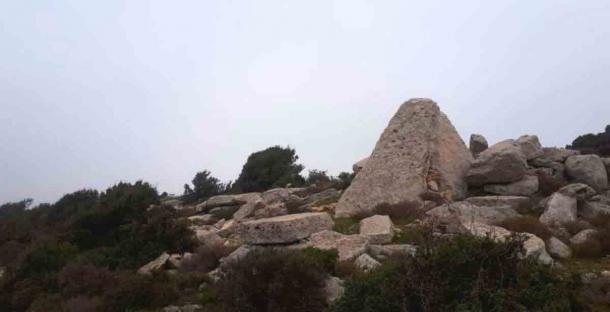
column 515, row 202
column 237, row 255
column 275, row 209
column 591, row 210
column 208, row 237
column 468, row 213
column 583, row 236
column 228, row 228
column 526, row 187
column 349, row 247
column 559, row 210
column 418, row 146
column 366, row 263
column 333, row 289
column 385, row 251
column 502, row 163
column 226, row 200
column 248, row 209
column 558, row 249
column 279, row 195
column 284, row 229
column 357, row 167
column 379, row 229
column 533, row 245
column 185, row 308
column 324, row 195
column 579, row 191
column 203, row 219
column 588, row 169
column 558, row 154
column 606, row 161
column 530, row 146
column 156, row 265
column 478, row 144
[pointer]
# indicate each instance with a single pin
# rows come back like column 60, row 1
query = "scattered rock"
column 226, row 200
column 593, row 209
column 274, row 209
column 478, row 144
column 224, row 211
column 533, row 245
column 284, row 229
column 526, row 187
column 357, row 167
column 279, row 195
column 379, row 229
column 501, row 163
column 349, row 247
column 156, row 265
column 366, row 263
column 237, row 255
column 248, row 209
column 588, row 169
column 468, row 213
column 324, row 195
column 228, row 228
column 578, row 190
column 203, row 219
column 185, row 308
column 208, row 237
column 583, row 236
column 530, row 146
column 559, row 210
column 419, row 145
column 558, row 249
column 333, row 288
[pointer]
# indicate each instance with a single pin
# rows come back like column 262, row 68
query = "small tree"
column 204, row 187
column 272, row 167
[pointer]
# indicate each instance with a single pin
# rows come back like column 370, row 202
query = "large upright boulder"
column 420, row 150
column 504, row 162
column 588, row 169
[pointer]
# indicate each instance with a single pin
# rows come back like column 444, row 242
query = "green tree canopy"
column 273, row 167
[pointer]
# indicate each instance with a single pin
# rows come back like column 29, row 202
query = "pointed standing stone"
column 419, row 151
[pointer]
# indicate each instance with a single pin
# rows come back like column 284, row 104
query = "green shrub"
column 134, row 292
column 204, row 187
column 273, row 281
column 46, row 258
column 460, row 274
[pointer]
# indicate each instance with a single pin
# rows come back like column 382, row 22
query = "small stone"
column 558, row 249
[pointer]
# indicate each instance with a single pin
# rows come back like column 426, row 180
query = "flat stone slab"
column 379, row 229
column 284, row 229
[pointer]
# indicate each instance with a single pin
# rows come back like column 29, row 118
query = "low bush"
column 461, row 274
column 275, row 280
column 205, row 258
column 134, row 292
column 527, row 224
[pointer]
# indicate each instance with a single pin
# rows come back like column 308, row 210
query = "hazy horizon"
column 96, row 93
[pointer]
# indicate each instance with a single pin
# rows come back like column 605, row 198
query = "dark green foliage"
column 273, row 167
column 46, row 258
column 204, row 187
column 461, row 274
column 72, row 205
column 593, row 143
column 323, row 181
column 12, row 209
column 344, row 180
column 137, row 292
column 274, row 281
column 318, row 177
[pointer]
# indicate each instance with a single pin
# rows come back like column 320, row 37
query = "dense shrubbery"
column 462, row 274
column 204, row 187
column 593, row 143
column 66, row 256
column 274, row 280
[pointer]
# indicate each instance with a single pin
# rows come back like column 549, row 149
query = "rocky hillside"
column 427, row 224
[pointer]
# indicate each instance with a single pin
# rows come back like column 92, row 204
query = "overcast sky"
column 95, row 92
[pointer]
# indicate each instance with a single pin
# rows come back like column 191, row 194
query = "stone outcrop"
column 284, row 229
column 588, row 169
column 156, row 265
column 526, row 187
column 468, row 213
column 478, row 144
column 559, row 210
column 349, row 247
column 226, row 200
column 558, row 154
column 530, row 146
column 357, row 167
column 514, row 202
column 501, row 163
column 419, row 148
column 379, row 229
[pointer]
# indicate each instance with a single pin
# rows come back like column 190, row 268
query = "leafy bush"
column 593, row 143
column 135, row 292
column 527, row 224
column 206, row 257
column 46, row 258
column 461, row 274
column 274, row 280
column 273, row 167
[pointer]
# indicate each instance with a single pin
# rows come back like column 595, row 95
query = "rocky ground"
column 420, row 172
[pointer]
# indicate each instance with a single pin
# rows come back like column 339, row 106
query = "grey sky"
column 94, row 92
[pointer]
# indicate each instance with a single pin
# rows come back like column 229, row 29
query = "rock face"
column 418, row 147
column 558, row 154
column 357, row 167
column 468, row 213
column 530, row 146
column 379, row 229
column 559, row 210
column 588, row 169
column 478, row 144
column 501, row 163
column 583, row 236
column 526, row 187
column 284, row 229
column 155, row 265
